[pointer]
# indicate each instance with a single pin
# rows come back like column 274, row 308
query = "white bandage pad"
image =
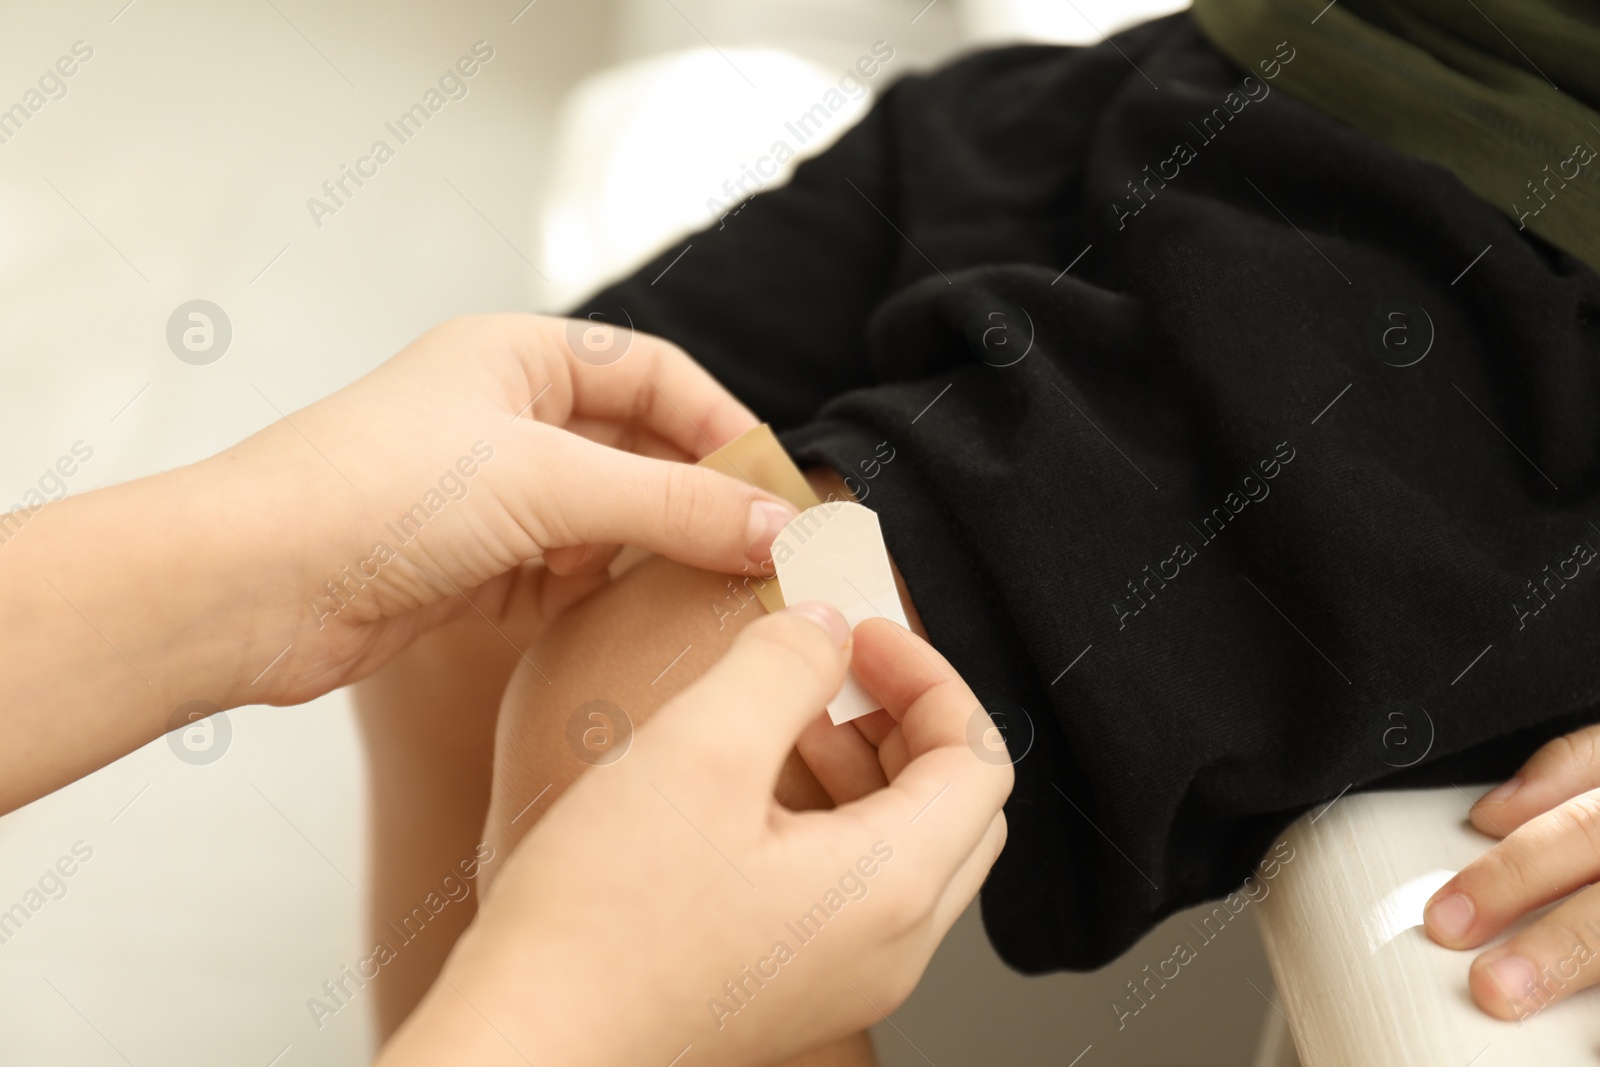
column 834, row 552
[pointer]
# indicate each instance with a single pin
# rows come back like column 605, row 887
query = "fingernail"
column 826, row 616
column 767, row 520
column 1515, row 976
column 1449, row 917
column 1502, row 792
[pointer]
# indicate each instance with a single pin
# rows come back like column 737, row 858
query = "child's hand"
column 304, row 557
column 482, row 446
column 1549, row 817
column 666, row 901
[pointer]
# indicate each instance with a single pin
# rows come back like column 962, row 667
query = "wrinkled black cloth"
column 1294, row 490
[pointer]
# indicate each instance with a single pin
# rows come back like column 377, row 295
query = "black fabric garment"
column 1383, row 560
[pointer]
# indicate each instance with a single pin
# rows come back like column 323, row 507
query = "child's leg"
column 634, row 645
column 428, row 720
column 629, row 647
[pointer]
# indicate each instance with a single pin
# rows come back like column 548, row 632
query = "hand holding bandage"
column 312, row 552
column 572, row 453
column 831, row 552
column 764, row 931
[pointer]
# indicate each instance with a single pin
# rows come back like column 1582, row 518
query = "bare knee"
column 605, row 667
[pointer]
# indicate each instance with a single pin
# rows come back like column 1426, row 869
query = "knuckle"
column 659, row 352
column 1561, row 956
column 1586, row 746
column 1007, row 774
column 1565, row 757
column 541, row 513
column 1563, row 754
column 1496, row 877
column 1580, row 818
column 1001, row 836
column 683, row 500
column 645, row 405
column 904, row 906
column 912, row 897
column 1560, row 946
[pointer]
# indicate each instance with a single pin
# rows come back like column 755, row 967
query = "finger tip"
column 1008, row 771
column 825, row 616
column 1492, row 813
column 1448, row 917
column 1489, row 1000
column 1501, row 793
column 766, row 519
column 565, row 562
column 1504, row 985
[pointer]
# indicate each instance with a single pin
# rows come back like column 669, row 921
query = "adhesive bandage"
column 832, row 551
column 756, row 457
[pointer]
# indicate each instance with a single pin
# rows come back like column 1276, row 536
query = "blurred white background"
column 177, row 166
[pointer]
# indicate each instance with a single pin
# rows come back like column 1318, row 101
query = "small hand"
column 667, row 900
column 487, row 443
column 487, row 467
column 1548, row 816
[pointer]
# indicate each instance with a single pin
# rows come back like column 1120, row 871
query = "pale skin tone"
column 250, row 536
column 209, row 583
column 635, row 627
column 686, row 824
column 612, row 646
column 120, row 614
column 1548, row 817
column 616, row 646
column 428, row 720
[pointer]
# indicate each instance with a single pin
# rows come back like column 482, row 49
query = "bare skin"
column 428, row 719
column 431, row 802
column 258, row 578
column 618, row 924
column 428, row 722
column 635, row 645
column 1547, row 820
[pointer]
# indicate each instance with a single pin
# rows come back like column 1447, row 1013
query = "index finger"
column 943, row 774
column 625, row 375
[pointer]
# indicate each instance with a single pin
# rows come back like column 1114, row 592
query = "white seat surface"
column 1359, row 980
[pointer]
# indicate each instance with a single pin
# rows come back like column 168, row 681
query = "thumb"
column 745, row 713
column 597, row 495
